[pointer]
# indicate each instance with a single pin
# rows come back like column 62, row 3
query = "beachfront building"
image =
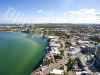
column 56, row 72
column 53, row 37
column 48, row 59
column 55, row 51
column 54, row 45
column 54, row 42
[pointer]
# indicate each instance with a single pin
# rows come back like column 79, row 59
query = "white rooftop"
column 73, row 43
column 55, row 49
column 54, row 71
column 55, row 45
column 55, row 52
column 51, row 37
column 80, row 41
column 72, row 47
column 83, row 46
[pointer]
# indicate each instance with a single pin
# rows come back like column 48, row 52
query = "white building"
column 55, row 52
column 71, row 48
column 53, row 37
column 80, row 42
column 54, row 45
column 56, row 72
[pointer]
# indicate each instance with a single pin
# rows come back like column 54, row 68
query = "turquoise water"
column 19, row 53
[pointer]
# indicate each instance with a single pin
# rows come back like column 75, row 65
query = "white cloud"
column 45, row 18
column 84, row 19
column 45, row 12
column 40, row 11
column 87, row 19
column 48, row 13
column 73, row 13
column 97, row 14
column 81, row 19
column 87, row 11
column 81, row 12
column 67, row 2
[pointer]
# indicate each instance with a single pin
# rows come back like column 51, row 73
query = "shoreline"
column 39, row 64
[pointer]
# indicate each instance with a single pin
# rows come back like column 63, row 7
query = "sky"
column 50, row 11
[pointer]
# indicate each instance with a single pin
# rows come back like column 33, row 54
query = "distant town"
column 72, row 49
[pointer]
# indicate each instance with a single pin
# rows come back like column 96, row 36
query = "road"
column 65, row 54
column 63, row 61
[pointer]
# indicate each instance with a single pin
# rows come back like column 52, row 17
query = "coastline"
column 41, row 61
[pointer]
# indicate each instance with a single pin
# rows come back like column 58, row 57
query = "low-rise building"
column 54, row 45
column 80, row 42
column 55, row 51
column 71, row 48
column 53, row 37
column 56, row 72
column 54, row 40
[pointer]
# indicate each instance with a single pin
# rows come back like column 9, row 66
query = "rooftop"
column 54, row 71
